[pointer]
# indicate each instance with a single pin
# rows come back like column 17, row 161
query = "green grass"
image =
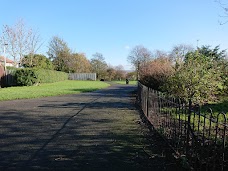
column 50, row 89
column 217, row 107
column 124, row 82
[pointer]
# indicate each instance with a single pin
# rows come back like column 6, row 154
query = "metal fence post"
column 200, row 137
column 188, row 129
column 147, row 102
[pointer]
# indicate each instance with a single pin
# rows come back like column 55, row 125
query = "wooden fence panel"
column 82, row 76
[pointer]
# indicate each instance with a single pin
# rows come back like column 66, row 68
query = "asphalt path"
column 101, row 130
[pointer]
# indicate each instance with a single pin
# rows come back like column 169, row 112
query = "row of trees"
column 199, row 74
column 23, row 44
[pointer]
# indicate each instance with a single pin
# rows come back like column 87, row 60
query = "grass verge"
column 50, row 89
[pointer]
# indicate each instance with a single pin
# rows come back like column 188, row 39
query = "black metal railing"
column 198, row 137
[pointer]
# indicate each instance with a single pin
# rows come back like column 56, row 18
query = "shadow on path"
column 90, row 131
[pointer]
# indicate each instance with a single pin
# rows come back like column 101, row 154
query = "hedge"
column 30, row 76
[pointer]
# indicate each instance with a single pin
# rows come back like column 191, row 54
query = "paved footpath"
column 89, row 131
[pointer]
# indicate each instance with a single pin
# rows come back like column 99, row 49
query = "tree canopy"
column 36, row 61
column 59, row 53
column 98, row 65
column 213, row 54
column 79, row 63
column 139, row 55
column 198, row 79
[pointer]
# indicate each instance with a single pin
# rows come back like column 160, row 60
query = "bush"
column 198, row 79
column 224, row 73
column 155, row 73
column 29, row 76
column 26, row 77
column 50, row 76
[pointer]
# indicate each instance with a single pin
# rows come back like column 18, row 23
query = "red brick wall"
column 1, row 75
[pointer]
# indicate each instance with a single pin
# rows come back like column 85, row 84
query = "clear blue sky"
column 113, row 27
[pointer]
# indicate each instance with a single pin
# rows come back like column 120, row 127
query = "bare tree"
column 160, row 54
column 224, row 5
column 139, row 54
column 21, row 40
column 178, row 53
column 138, row 57
column 120, row 72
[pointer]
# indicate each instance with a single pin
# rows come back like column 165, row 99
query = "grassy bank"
column 50, row 89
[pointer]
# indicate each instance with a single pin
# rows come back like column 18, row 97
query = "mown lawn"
column 124, row 82
column 50, row 89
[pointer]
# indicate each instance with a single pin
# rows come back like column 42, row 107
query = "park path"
column 101, row 130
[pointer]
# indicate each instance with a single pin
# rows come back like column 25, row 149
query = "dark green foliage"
column 29, row 77
column 37, row 61
column 50, row 76
column 213, row 54
column 218, row 107
column 26, row 77
column 61, row 63
column 224, row 75
column 59, row 53
column 201, row 77
column 198, row 79
column 217, row 58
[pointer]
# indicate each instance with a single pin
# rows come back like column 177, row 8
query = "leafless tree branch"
column 224, row 7
column 21, row 40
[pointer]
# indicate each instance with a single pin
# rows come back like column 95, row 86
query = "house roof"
column 2, row 59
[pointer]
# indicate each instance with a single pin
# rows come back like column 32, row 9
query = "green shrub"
column 50, row 76
column 26, row 77
column 198, row 79
column 29, row 76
